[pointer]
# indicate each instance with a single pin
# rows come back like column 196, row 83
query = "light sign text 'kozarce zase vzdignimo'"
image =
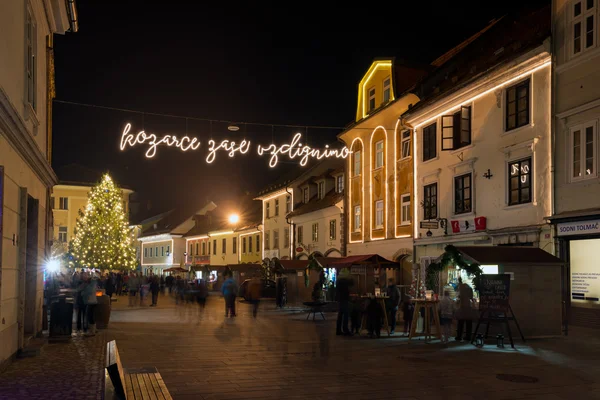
column 293, row 150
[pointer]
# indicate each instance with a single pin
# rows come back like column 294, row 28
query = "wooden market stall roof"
column 508, row 255
column 366, row 259
column 294, row 264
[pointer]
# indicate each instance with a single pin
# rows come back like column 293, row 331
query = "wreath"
column 452, row 256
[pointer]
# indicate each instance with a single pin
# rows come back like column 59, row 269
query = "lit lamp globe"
column 53, row 266
column 234, row 219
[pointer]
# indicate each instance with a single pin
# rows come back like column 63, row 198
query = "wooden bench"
column 123, row 385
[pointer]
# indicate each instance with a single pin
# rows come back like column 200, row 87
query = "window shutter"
column 465, row 126
column 448, row 132
column 456, row 131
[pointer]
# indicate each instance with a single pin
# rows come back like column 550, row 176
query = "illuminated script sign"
column 292, row 150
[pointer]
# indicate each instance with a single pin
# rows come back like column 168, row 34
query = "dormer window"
column 371, row 99
column 305, row 195
column 321, row 190
column 387, row 90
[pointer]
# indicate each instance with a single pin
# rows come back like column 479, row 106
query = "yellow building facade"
column 250, row 245
column 379, row 169
column 66, row 202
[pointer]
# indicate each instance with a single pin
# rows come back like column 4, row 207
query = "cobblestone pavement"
column 281, row 355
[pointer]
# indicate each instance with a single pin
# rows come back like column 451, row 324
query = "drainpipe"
column 292, row 228
column 72, row 12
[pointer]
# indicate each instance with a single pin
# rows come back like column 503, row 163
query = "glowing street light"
column 53, row 265
column 234, row 219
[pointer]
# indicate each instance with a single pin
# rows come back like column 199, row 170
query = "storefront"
column 579, row 247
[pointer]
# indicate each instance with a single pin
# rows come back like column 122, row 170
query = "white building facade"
column 26, row 176
column 277, row 202
column 483, row 152
column 576, row 212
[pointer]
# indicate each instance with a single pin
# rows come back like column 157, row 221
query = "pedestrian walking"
column 154, row 288
column 133, row 285
column 447, row 306
column 90, row 300
column 229, row 290
column 393, row 292
column 202, row 293
column 344, row 282
column 80, row 285
column 255, row 293
column 464, row 313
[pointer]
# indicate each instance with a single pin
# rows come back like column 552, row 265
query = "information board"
column 494, row 292
column 585, row 275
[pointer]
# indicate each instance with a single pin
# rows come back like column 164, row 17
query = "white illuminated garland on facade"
column 294, row 149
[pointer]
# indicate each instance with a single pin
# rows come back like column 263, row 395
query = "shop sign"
column 469, row 225
column 585, row 277
column 578, row 228
column 494, row 292
column 358, row 270
column 429, row 225
column 299, row 249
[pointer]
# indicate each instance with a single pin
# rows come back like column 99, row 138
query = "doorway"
column 31, row 268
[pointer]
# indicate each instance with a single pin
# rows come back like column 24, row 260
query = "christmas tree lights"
column 103, row 239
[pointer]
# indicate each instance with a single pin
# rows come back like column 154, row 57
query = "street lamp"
column 53, row 265
column 234, row 219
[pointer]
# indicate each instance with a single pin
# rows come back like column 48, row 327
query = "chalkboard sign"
column 494, row 291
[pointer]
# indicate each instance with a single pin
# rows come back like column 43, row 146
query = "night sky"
column 221, row 61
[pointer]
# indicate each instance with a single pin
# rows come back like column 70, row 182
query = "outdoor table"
column 381, row 300
column 430, row 306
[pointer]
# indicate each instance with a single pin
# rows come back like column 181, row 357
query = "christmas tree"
column 103, row 239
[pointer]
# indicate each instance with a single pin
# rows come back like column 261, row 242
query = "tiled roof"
column 314, row 204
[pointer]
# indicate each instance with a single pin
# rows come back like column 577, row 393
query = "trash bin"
column 102, row 313
column 61, row 316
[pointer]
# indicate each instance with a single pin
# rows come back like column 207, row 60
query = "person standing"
column 133, row 285
column 446, row 315
column 90, row 300
column 154, row 288
column 408, row 311
column 254, row 293
column 229, row 291
column 344, row 283
column 393, row 292
column 464, row 314
column 80, row 285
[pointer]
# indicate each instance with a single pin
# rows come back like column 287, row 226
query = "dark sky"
column 233, row 62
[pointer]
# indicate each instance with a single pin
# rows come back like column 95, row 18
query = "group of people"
column 86, row 284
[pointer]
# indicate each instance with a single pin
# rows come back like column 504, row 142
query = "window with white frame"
column 276, row 207
column 379, row 214
column 582, row 25
column 321, row 190
column 315, row 232
column 62, row 234
column 257, row 244
column 214, row 247
column 583, row 151
column 234, row 245
column 288, row 204
column 305, row 195
column 462, row 194
column 379, row 154
column 339, row 183
column 276, row 239
column 357, row 219
column 332, row 229
column 300, row 234
column 150, row 251
column 250, row 244
column 286, row 237
column 519, row 182
column 31, row 64
column 190, row 252
column 371, row 99
column 268, row 209
column 430, row 142
column 168, row 250
column 162, row 251
column 145, row 252
column 156, row 251
column 405, row 211
column 430, row 201
column 197, row 248
column 517, row 105
column 356, row 157
column 456, row 129
column 203, row 248
column 63, row 203
column 405, row 144
column 387, row 90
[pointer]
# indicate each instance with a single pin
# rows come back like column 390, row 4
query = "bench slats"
column 156, row 387
column 163, row 387
column 148, row 383
column 143, row 390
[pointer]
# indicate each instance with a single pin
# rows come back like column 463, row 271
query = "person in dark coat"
column 393, row 292
column 344, row 283
column 374, row 318
column 154, row 289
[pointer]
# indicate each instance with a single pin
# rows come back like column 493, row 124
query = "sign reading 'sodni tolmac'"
column 494, row 292
column 578, row 228
column 469, row 225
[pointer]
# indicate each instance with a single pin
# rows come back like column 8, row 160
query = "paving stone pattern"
column 281, row 355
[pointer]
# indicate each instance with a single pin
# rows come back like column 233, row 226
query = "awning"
column 294, row 264
column 508, row 255
column 367, row 259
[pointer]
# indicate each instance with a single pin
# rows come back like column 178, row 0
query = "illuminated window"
column 267, row 241
column 63, row 203
column 224, row 245
column 517, row 105
column 300, row 234
column 276, row 207
column 243, row 245
column 456, row 129
column 332, row 229
column 315, row 232
column 357, row 219
column 31, row 64
column 379, row 154
column 583, row 151
column 305, row 195
column 386, row 90
column 234, row 245
column 250, row 244
column 379, row 214
column 371, row 99
column 288, row 204
column 62, row 234
column 340, row 184
column 321, row 190
column 356, row 156
column 276, row 239
column 430, row 201
column 203, row 248
column 405, row 216
column 268, row 209
column 582, row 26
column 405, row 144
column 462, row 194
column 429, row 142
column 286, row 238
column 519, row 182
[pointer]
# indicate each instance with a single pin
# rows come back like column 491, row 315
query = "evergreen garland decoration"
column 102, row 238
column 452, row 256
